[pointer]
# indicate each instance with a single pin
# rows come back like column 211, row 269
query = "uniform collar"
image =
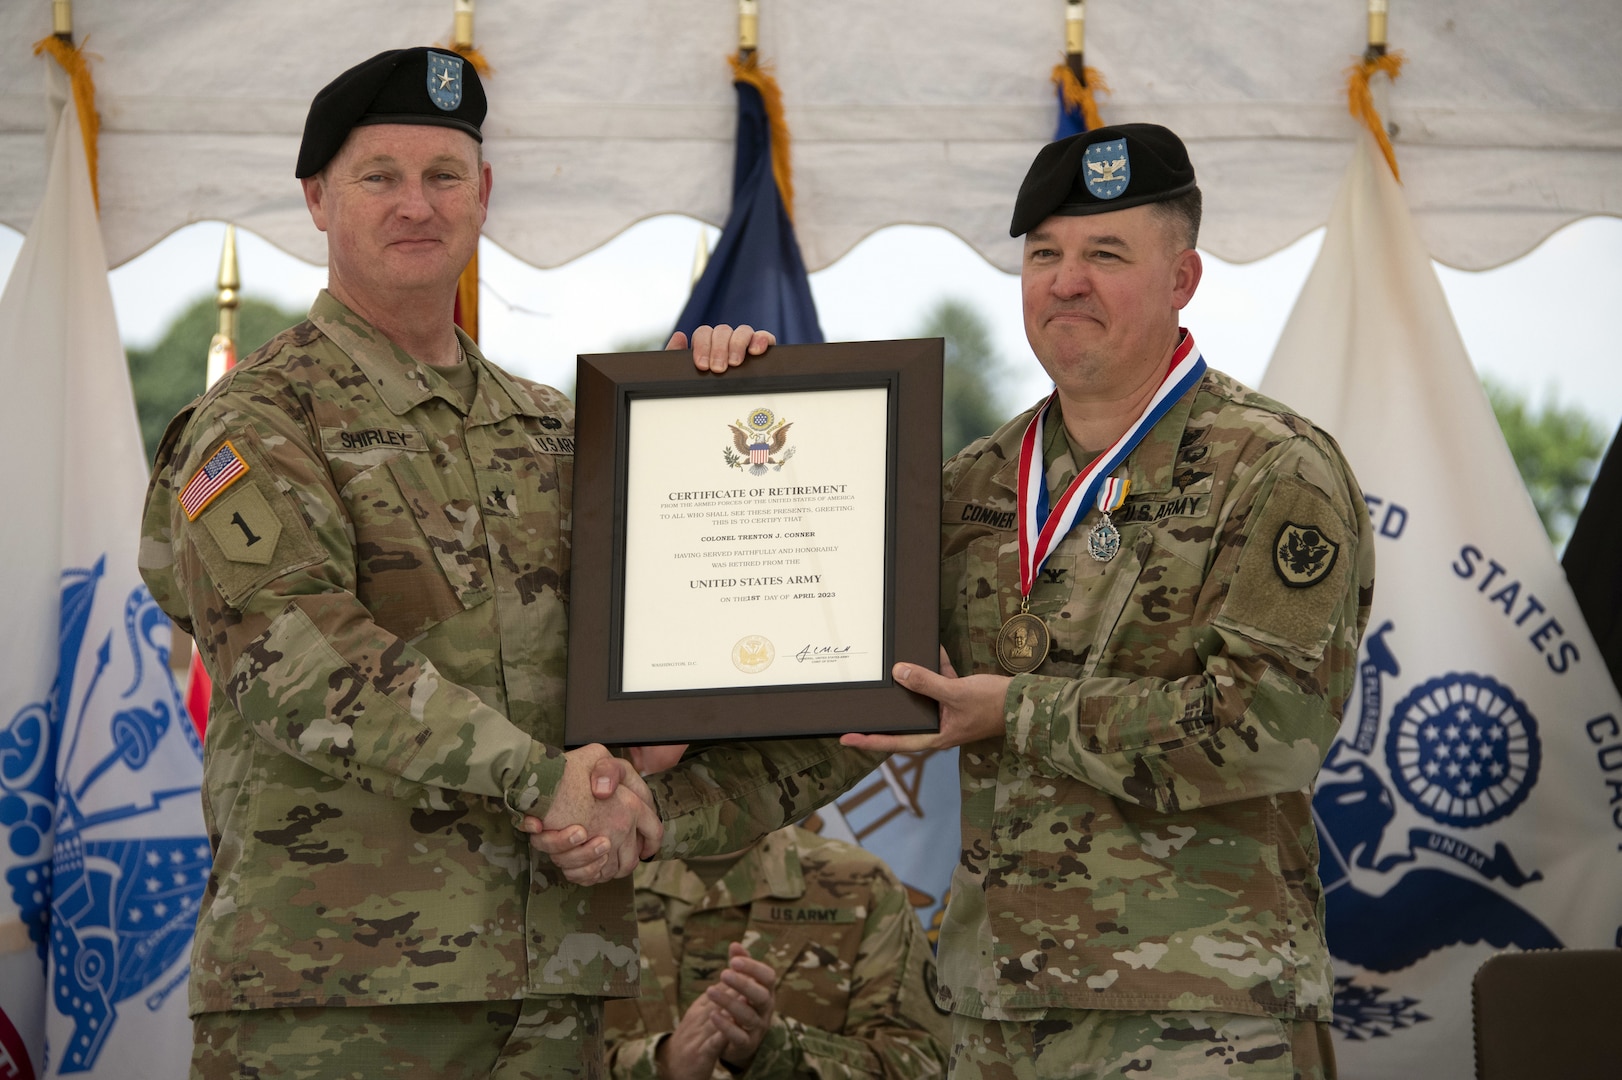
column 1152, row 464
column 401, row 381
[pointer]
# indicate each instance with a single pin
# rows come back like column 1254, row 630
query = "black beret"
column 1108, row 168
column 401, row 86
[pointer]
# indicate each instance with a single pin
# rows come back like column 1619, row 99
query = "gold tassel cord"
column 1360, row 99
column 473, row 56
column 749, row 70
column 1080, row 96
column 76, row 62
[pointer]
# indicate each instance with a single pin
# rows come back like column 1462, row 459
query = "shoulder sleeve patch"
column 1293, row 578
column 1303, row 555
column 252, row 533
column 245, row 527
column 223, row 468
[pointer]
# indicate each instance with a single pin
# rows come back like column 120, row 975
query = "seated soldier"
column 799, row 956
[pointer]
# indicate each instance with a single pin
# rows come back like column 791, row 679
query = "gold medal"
column 1022, row 643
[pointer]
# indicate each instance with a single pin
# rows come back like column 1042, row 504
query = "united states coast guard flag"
column 103, row 855
column 1473, row 800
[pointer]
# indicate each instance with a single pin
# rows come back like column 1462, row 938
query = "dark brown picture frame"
column 597, row 710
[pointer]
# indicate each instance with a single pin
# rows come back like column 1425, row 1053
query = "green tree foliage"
column 1556, row 450
column 171, row 373
column 971, row 401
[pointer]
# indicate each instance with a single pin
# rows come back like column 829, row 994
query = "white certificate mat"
column 755, row 540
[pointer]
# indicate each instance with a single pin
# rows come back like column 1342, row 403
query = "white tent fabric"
column 1509, row 114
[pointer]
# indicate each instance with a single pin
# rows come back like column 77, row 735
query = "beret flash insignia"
column 445, row 80
column 1106, row 169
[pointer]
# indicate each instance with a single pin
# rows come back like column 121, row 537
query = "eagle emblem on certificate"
column 759, row 442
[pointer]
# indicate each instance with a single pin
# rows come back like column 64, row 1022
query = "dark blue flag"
column 756, row 274
column 1076, row 88
column 1071, row 120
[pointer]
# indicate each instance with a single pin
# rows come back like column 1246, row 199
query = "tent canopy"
column 1508, row 114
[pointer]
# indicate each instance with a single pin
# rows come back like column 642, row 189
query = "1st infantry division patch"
column 1303, row 555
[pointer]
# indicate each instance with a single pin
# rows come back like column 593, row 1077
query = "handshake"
column 602, row 821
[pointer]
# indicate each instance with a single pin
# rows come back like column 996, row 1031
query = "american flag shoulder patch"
column 219, row 472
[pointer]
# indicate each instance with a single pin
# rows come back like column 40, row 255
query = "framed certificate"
column 754, row 551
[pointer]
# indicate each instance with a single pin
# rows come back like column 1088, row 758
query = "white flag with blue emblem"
column 1470, row 803
column 103, row 856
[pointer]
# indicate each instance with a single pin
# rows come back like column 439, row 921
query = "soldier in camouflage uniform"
column 844, row 975
column 365, row 525
column 1138, row 893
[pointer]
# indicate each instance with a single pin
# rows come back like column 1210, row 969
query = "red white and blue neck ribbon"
column 1039, row 530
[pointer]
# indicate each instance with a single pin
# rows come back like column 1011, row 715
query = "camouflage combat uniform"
column 381, row 598
column 855, row 972
column 1141, row 837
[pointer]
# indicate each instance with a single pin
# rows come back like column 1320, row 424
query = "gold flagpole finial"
column 462, row 31
column 222, row 351
column 62, row 19
column 1377, row 29
column 748, row 28
column 229, row 284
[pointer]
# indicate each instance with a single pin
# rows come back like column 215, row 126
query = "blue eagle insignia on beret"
column 445, row 80
column 1106, row 169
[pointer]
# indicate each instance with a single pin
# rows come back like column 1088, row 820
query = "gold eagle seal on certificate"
column 753, row 654
column 758, row 442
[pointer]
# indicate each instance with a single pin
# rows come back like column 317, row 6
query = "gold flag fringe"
column 1079, row 96
column 1360, row 99
column 76, row 62
column 467, row 298
column 473, row 56
column 749, row 71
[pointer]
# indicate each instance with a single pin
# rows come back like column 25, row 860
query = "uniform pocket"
column 415, row 568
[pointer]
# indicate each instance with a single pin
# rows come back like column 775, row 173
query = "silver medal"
column 1104, row 541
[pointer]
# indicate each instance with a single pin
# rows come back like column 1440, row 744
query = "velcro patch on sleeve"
column 255, row 533
column 245, row 527
column 223, row 468
column 1293, row 575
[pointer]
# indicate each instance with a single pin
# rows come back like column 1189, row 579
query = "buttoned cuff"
column 532, row 788
column 775, row 1056
column 1028, row 709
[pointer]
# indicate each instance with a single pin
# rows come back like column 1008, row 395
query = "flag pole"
column 222, row 357
column 222, row 351
column 1075, row 38
column 1378, row 10
column 1360, row 89
column 1078, row 85
column 748, row 29
column 466, row 308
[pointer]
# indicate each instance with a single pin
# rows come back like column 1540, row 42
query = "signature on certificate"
column 814, row 653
